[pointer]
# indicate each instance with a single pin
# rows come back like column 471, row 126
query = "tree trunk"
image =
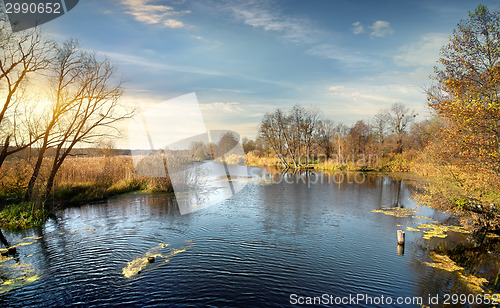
column 36, row 171
column 4, row 240
column 3, row 154
column 50, row 182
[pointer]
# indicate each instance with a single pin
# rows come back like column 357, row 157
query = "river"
column 279, row 241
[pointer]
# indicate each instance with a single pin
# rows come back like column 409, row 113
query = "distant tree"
column 380, row 130
column 248, row 145
column 359, row 137
column 271, row 130
column 227, row 142
column 325, row 137
column 398, row 118
column 341, row 131
column 290, row 136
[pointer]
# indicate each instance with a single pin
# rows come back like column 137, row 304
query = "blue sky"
column 244, row 58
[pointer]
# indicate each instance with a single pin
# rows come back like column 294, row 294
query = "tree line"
column 302, row 134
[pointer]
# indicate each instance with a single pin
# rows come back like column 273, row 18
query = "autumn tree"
column 465, row 98
column 358, row 138
column 248, row 145
column 341, row 131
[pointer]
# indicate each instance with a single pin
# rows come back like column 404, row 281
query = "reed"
column 79, row 179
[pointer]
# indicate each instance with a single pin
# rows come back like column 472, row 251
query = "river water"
column 276, row 242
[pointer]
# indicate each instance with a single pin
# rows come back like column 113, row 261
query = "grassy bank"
column 80, row 179
column 390, row 163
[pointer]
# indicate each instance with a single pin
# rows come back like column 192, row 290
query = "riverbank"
column 80, row 180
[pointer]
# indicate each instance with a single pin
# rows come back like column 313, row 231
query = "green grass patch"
column 22, row 216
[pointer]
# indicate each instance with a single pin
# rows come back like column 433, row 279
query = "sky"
column 350, row 59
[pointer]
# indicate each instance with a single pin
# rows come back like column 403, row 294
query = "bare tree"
column 291, row 136
column 326, row 132
column 359, row 136
column 399, row 117
column 380, row 130
column 310, row 127
column 92, row 115
column 340, row 133
column 85, row 106
column 22, row 56
column 271, row 131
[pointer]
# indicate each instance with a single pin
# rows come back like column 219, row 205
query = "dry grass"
column 79, row 178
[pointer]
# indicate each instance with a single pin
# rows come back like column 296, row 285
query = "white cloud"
column 260, row 15
column 424, row 52
column 264, row 15
column 336, row 88
column 385, row 94
column 381, row 28
column 328, row 51
column 357, row 28
column 172, row 23
column 222, row 106
column 149, row 12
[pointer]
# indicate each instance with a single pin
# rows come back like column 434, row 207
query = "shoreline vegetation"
column 80, row 180
column 107, row 172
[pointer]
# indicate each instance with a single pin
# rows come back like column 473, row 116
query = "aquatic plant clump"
column 397, row 212
column 432, row 229
column 443, row 262
column 137, row 265
column 14, row 273
column 435, row 230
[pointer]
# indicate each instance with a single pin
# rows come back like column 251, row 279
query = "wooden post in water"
column 401, row 237
column 401, row 250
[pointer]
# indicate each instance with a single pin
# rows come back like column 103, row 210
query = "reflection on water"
column 282, row 234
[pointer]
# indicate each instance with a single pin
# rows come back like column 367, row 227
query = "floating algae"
column 397, row 212
column 10, row 284
column 137, row 265
column 421, row 217
column 435, row 230
column 444, row 262
column 15, row 274
column 412, row 229
column 32, row 238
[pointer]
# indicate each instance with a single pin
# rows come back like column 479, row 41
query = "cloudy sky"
column 244, row 58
